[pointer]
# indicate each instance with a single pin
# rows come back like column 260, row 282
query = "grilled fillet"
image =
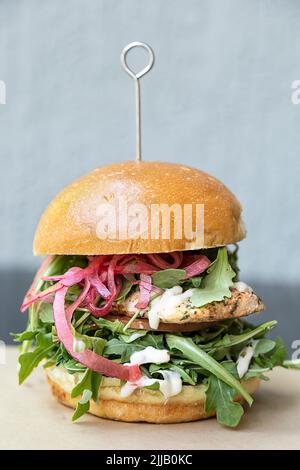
column 240, row 304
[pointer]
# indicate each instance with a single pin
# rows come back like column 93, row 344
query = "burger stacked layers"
column 145, row 329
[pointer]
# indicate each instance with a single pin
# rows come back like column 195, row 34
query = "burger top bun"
column 113, row 209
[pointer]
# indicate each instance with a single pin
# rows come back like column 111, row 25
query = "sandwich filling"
column 155, row 321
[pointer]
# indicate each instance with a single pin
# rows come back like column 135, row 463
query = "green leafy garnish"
column 83, row 405
column 207, row 357
column 91, row 380
column 168, row 278
column 113, row 326
column 72, row 366
column 219, row 398
column 233, row 261
column 124, row 349
column 275, row 357
column 200, row 357
column 132, row 335
column 263, row 346
column 126, row 288
column 46, row 312
column 25, row 336
column 292, row 364
column 216, row 283
column 233, row 340
column 29, row 360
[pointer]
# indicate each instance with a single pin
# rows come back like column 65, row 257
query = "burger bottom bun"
column 142, row 405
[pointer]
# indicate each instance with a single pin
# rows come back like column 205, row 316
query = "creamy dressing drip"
column 171, row 383
column 242, row 287
column 166, row 303
column 150, row 354
column 169, row 386
column 79, row 346
column 244, row 359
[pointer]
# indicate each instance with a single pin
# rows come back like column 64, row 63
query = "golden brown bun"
column 68, row 226
column 143, row 405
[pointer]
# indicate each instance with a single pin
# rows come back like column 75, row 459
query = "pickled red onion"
column 102, row 272
column 32, row 289
column 145, row 292
column 90, row 359
column 161, row 263
column 197, row 267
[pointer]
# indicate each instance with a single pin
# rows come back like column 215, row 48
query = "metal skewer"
column 136, row 76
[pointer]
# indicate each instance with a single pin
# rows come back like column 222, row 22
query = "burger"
column 137, row 312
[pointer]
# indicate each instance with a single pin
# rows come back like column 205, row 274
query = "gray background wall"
column 218, row 98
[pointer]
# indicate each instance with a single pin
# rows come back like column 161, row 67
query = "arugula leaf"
column 96, row 380
column 33, row 316
column 216, row 283
column 85, row 383
column 155, row 340
column 62, row 263
column 200, row 357
column 291, row 364
column 132, row 335
column 233, row 340
column 263, row 346
column 29, row 360
column 275, row 357
column 219, row 398
column 83, row 405
column 116, row 347
column 46, row 312
column 256, row 371
column 94, row 343
column 114, row 326
column 266, row 358
column 119, row 347
column 196, row 281
column 126, row 288
column 191, row 282
column 27, row 335
column 91, row 380
column 233, row 261
column 278, row 354
column 168, row 278
column 72, row 366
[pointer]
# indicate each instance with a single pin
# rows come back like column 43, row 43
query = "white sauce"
column 79, row 346
column 165, row 304
column 244, row 360
column 171, row 383
column 128, row 388
column 150, row 354
column 169, row 386
column 242, row 287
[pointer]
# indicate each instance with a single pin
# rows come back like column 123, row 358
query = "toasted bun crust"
column 143, row 405
column 69, row 224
